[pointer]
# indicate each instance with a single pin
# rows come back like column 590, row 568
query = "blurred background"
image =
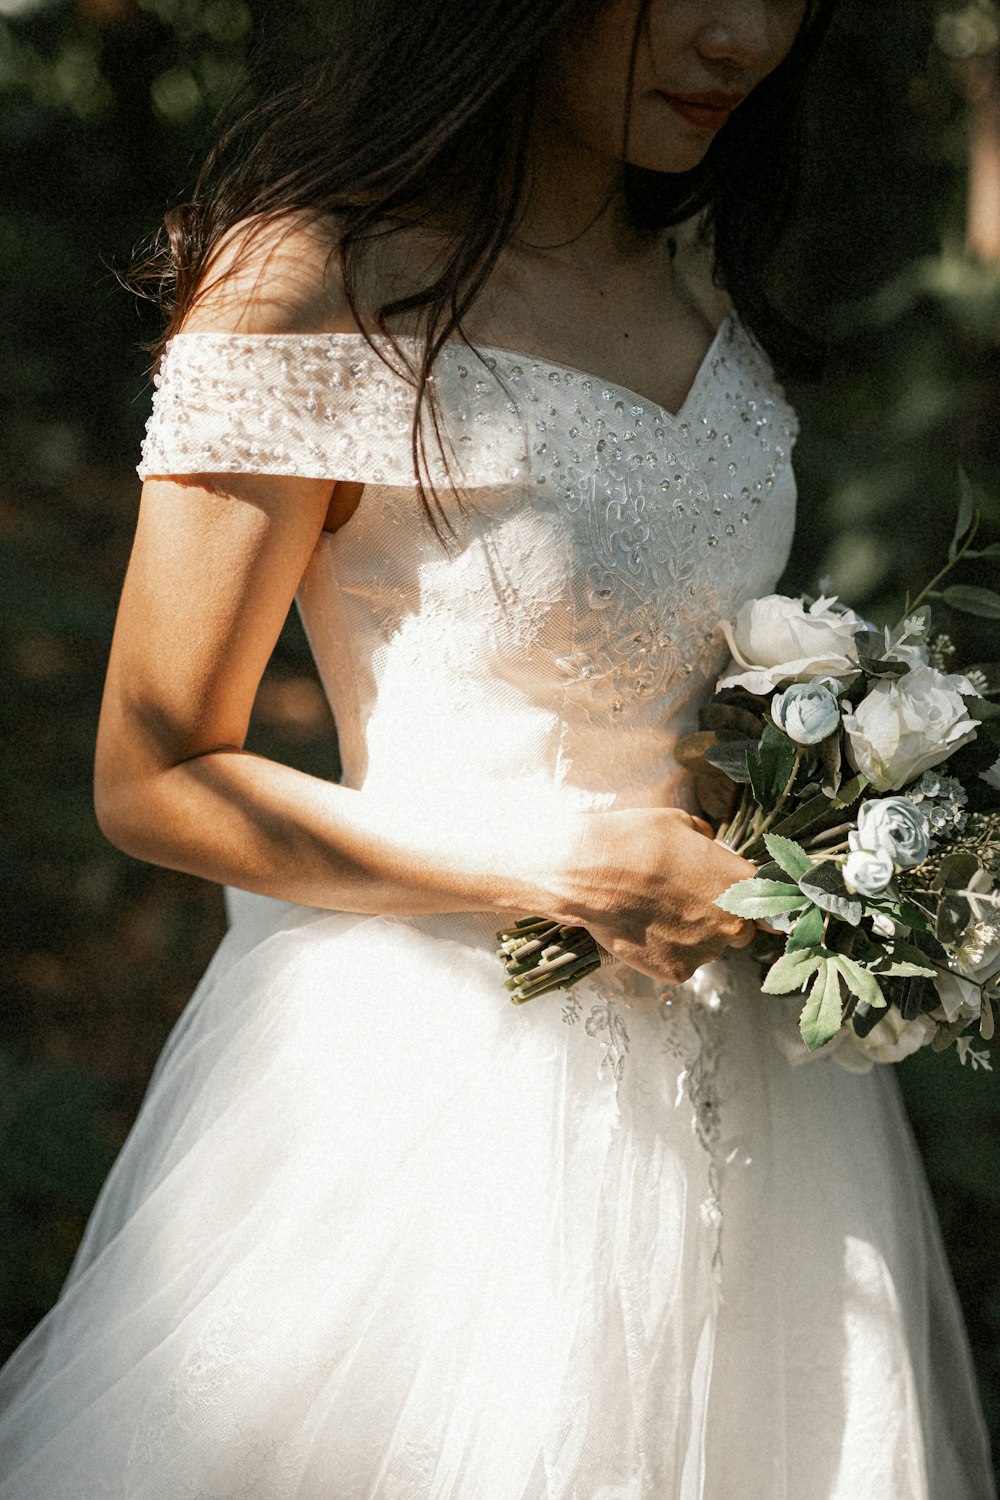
column 106, row 109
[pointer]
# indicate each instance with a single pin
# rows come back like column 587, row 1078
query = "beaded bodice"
column 564, row 634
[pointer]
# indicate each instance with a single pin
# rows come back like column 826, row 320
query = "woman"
column 377, row 1233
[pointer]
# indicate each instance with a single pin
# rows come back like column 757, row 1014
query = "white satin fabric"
column 378, row 1234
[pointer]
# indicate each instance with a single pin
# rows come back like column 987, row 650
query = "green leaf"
column 884, row 666
column 820, row 811
column 792, row 858
column 984, row 603
column 916, row 994
column 953, row 916
column 980, row 709
column 903, row 969
column 902, row 911
column 821, row 1018
column 825, row 887
column 923, row 615
column 966, row 514
column 860, row 981
column 873, row 657
column 790, row 972
column 730, row 757
column 849, row 792
column 770, row 766
column 955, row 871
column 985, row 554
column 760, row 898
column 870, row 643
column 808, row 930
column 830, row 757
column 906, row 961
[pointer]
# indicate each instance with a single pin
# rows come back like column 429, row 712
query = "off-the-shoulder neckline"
column 513, row 356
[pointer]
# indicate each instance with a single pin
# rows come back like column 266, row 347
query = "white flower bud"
column 867, row 872
column 807, row 712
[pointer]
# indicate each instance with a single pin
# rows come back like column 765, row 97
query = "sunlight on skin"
column 216, row 562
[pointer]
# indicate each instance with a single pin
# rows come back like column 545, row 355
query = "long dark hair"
column 420, row 113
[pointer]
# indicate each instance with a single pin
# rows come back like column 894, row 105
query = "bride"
column 448, row 363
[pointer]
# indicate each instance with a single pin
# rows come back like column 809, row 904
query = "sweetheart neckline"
column 514, row 356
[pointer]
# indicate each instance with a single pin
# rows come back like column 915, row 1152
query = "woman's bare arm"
column 213, row 572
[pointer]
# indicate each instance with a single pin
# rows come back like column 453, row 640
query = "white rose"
column 867, row 872
column 905, row 724
column 777, row 640
column 888, row 1042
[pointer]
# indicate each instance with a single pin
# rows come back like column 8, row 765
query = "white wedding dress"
column 378, row 1234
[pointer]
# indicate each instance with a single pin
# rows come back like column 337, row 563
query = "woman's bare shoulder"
column 273, row 276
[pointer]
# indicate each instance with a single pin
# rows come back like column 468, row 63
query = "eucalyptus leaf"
column 955, row 871
column 821, row 1018
column 970, row 600
column 985, row 554
column 808, row 930
column 860, row 981
column 791, row 971
column 953, row 917
column 825, row 887
column 792, row 858
column 760, row 898
column 921, row 619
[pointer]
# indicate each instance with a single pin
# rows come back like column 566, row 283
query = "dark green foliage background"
column 105, row 108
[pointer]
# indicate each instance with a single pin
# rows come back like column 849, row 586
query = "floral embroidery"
column 606, row 1022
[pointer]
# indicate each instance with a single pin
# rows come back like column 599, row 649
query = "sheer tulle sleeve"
column 315, row 405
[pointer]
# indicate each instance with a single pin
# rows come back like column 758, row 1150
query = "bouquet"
column 861, row 773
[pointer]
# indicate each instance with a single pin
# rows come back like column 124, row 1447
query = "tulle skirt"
column 377, row 1234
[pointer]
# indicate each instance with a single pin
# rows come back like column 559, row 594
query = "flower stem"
column 951, row 563
column 768, row 823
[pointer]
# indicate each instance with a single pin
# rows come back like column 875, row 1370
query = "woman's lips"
column 704, row 111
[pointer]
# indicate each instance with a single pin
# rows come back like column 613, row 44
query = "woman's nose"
column 753, row 35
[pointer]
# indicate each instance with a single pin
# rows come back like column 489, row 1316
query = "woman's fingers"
column 745, row 937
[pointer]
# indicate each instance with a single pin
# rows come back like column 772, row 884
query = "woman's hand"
column 643, row 883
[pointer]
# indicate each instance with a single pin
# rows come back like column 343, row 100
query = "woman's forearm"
column 236, row 818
